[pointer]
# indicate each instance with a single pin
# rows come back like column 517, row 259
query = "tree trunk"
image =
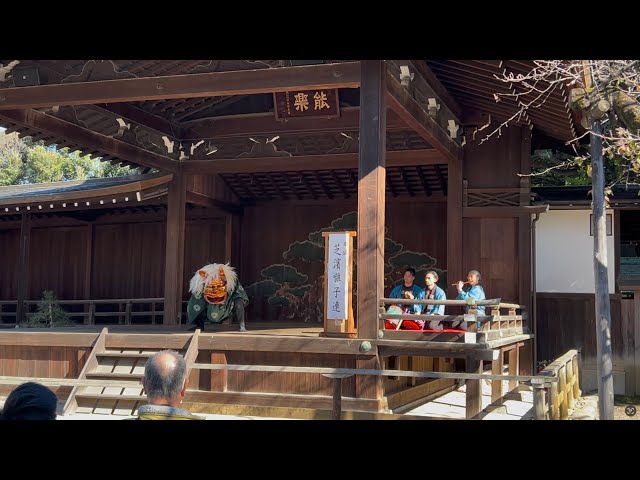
column 628, row 110
column 602, row 310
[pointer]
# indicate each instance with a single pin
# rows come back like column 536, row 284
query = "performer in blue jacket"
column 474, row 290
column 412, row 290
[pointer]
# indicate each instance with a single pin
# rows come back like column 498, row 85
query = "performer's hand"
column 409, row 295
column 460, row 285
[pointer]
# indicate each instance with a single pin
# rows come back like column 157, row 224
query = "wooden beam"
column 23, row 267
column 425, row 71
column 223, row 341
column 203, row 200
column 502, row 212
column 266, row 124
column 395, row 158
column 454, row 220
column 84, row 195
column 174, row 251
column 217, row 84
column 92, row 140
column 407, row 108
column 425, row 184
column 136, row 114
column 371, row 210
column 18, row 337
column 441, row 179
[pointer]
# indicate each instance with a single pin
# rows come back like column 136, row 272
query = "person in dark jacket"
column 30, row 401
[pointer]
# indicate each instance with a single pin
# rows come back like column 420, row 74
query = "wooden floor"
column 269, row 328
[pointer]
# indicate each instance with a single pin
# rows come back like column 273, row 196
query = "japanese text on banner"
column 338, row 277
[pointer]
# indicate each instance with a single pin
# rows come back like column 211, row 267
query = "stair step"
column 115, row 375
column 107, row 396
column 123, row 355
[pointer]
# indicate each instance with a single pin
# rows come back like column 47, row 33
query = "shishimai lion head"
column 215, row 282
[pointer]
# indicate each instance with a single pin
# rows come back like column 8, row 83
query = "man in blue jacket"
column 413, row 290
column 434, row 292
column 474, row 291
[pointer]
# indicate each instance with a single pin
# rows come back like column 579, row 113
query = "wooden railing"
column 112, row 311
column 494, row 321
column 563, row 391
column 560, row 378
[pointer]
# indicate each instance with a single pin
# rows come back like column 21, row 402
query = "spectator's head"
column 409, row 276
column 165, row 378
column 30, row 401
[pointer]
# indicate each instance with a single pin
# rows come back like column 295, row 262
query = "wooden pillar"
column 219, row 378
column 371, row 205
column 236, row 239
column 174, row 253
column 524, row 228
column 539, row 407
column 526, row 358
column 88, row 262
column 88, row 307
column 228, row 237
column 454, row 221
column 474, row 388
column 497, row 367
column 513, row 365
column 23, row 267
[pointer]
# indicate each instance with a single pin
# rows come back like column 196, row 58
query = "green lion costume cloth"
column 216, row 294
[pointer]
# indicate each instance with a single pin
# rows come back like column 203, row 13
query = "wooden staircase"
column 117, row 372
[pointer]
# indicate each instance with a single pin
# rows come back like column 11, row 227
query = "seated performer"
column 216, row 294
column 408, row 290
column 412, row 290
column 434, row 292
column 474, row 291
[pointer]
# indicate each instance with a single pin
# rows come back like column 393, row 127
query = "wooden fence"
column 562, row 392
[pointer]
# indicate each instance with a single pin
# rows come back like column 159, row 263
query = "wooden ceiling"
column 420, row 181
column 473, row 84
column 202, row 130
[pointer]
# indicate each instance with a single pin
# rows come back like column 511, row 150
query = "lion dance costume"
column 216, row 294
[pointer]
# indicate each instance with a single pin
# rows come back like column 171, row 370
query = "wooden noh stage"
column 250, row 162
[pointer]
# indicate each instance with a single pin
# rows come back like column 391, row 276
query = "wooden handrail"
column 563, row 391
column 459, row 303
column 553, row 377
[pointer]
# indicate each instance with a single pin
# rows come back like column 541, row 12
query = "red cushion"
column 412, row 325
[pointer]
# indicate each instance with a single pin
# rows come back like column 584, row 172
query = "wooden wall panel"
column 497, row 162
column 10, row 248
column 296, row 383
column 128, row 260
column 491, row 246
column 268, row 230
column 204, row 243
column 567, row 321
column 40, row 362
column 57, row 262
column 212, row 186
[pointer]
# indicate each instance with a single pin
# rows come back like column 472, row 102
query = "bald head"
column 164, row 378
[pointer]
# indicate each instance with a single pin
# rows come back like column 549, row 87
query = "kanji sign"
column 338, row 282
column 306, row 103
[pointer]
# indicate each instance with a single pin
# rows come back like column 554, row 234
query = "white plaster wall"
column 564, row 253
